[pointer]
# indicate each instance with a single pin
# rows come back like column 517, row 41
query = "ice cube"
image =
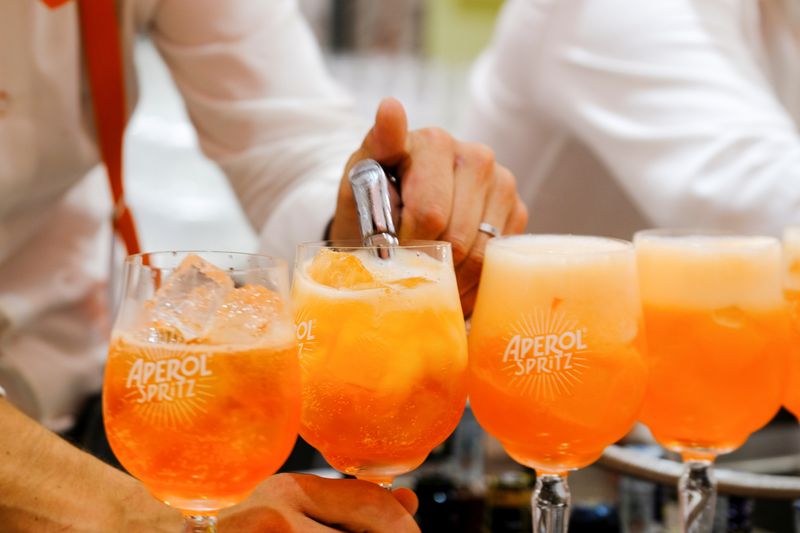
column 371, row 361
column 245, row 316
column 155, row 332
column 188, row 299
column 410, row 283
column 341, row 270
column 729, row 317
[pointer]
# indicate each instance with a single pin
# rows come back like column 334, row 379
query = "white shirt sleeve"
column 669, row 94
column 264, row 107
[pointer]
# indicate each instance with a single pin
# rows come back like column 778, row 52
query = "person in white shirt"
column 617, row 115
column 266, row 111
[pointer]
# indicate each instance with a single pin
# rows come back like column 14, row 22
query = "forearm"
column 48, row 485
column 668, row 97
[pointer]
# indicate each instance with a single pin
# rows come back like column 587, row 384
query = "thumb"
column 386, row 141
column 407, row 499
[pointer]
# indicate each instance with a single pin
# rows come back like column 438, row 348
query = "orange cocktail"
column 717, row 344
column 556, row 369
column 791, row 292
column 172, row 408
column 383, row 355
column 718, row 339
column 201, row 397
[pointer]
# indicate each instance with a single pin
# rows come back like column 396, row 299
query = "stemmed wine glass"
column 383, row 354
column 201, row 398
column 717, row 348
column 556, row 371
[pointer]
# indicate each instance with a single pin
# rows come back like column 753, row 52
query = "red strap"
column 103, row 52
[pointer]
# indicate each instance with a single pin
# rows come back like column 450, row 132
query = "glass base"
column 200, row 524
column 697, row 494
column 378, row 473
column 550, row 502
column 201, row 507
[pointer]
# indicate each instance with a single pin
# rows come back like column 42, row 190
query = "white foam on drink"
column 563, row 266
column 710, row 271
column 791, row 258
column 405, row 263
column 556, row 248
column 551, row 282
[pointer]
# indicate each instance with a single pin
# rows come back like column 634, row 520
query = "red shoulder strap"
column 103, row 51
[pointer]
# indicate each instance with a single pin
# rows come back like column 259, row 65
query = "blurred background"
column 420, row 52
column 416, row 50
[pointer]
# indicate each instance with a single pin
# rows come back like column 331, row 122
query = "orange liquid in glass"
column 715, row 376
column 543, row 428
column 201, row 426
column 718, row 339
column 556, row 369
column 792, row 396
column 384, row 371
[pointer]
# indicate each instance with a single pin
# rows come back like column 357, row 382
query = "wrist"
column 139, row 511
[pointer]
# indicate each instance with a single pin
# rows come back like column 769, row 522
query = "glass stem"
column 550, row 504
column 383, row 482
column 697, row 492
column 199, row 524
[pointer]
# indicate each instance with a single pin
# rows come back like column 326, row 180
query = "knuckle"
column 286, row 483
column 506, row 184
column 432, row 219
column 458, row 245
column 483, row 156
column 374, row 501
column 474, row 262
column 436, row 136
column 480, row 160
column 522, row 215
column 281, row 480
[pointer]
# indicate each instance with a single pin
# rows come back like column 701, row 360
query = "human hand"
column 448, row 188
column 288, row 503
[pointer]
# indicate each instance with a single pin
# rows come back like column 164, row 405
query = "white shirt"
column 265, row 110
column 617, row 114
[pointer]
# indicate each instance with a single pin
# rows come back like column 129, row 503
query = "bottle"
column 450, row 486
column 508, row 502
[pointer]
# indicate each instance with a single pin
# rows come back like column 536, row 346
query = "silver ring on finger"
column 488, row 229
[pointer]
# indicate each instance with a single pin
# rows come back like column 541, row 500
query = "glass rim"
column 750, row 239
column 355, row 244
column 273, row 262
column 626, row 245
column 791, row 231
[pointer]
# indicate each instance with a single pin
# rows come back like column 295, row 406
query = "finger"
column 248, row 518
column 517, row 220
column 352, row 505
column 387, row 140
column 407, row 499
column 468, row 301
column 501, row 201
column 427, row 184
column 309, row 525
column 472, row 181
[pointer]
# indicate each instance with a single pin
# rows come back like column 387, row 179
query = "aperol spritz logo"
column 543, row 354
column 306, row 335
column 170, row 385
